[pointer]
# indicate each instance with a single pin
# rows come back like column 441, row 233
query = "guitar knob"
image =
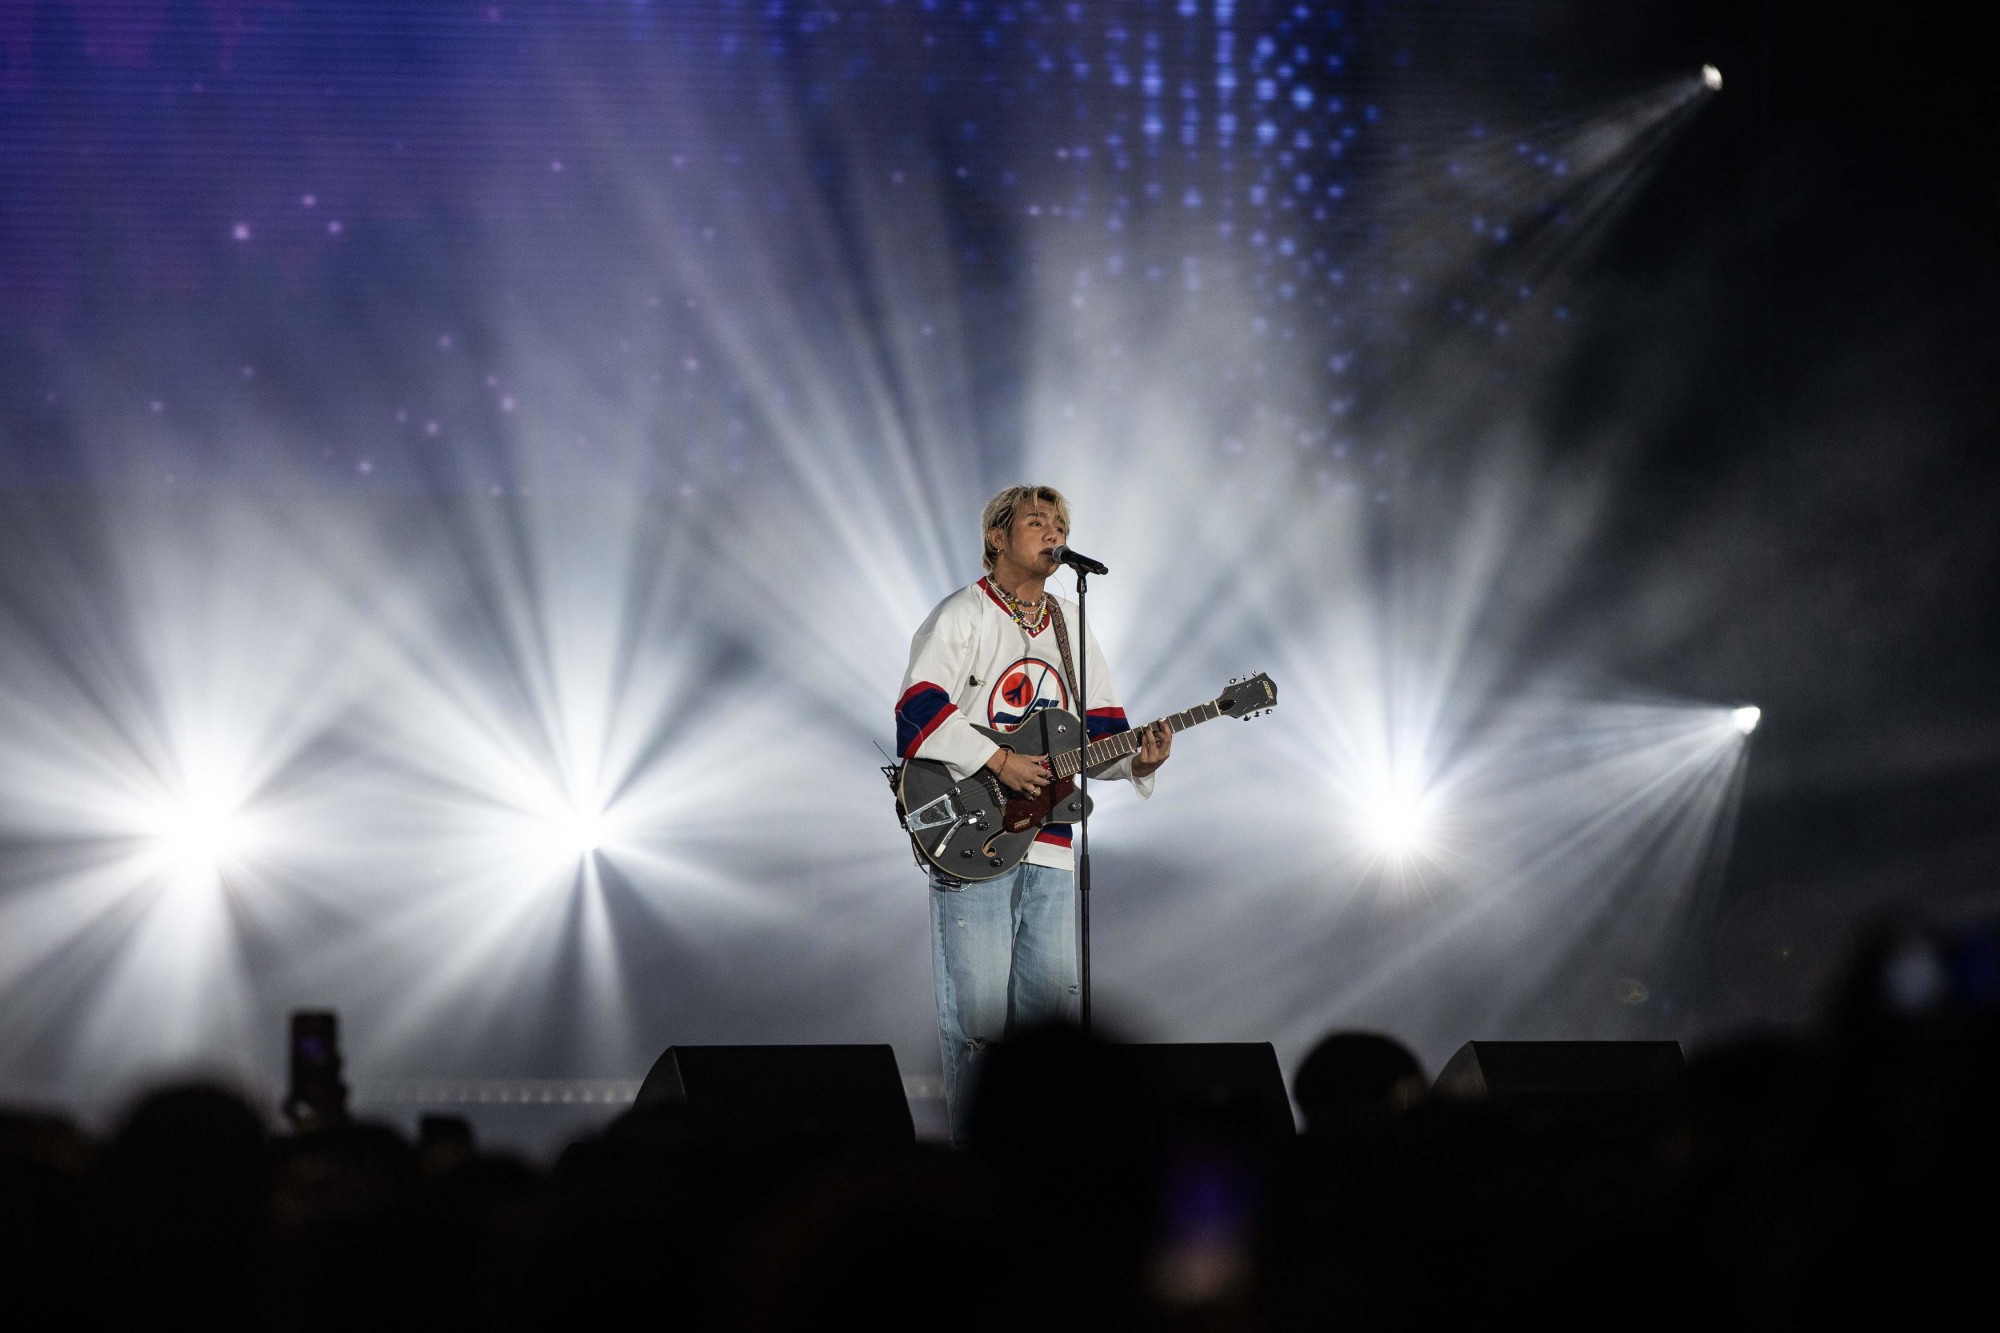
column 995, row 863
column 967, row 853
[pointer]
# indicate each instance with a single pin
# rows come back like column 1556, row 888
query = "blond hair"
column 1000, row 511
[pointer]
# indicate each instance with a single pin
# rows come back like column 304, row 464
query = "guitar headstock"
column 1246, row 698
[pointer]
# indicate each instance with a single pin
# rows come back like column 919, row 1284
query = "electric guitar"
column 979, row 829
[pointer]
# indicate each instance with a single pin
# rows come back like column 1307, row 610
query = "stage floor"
column 537, row 1118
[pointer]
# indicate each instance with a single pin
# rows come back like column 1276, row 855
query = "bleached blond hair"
column 1002, row 508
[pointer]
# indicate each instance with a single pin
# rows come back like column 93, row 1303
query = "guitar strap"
column 1069, row 664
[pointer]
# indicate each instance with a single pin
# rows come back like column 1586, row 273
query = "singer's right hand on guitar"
column 1024, row 773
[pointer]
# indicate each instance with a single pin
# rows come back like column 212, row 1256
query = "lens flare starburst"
column 204, row 830
column 1398, row 822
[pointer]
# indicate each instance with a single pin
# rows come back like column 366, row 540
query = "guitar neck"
column 1099, row 753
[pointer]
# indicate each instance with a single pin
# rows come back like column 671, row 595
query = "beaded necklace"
column 1029, row 616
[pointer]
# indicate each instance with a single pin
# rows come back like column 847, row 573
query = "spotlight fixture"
column 1746, row 718
column 1711, row 78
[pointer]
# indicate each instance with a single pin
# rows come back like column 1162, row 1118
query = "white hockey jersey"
column 972, row 662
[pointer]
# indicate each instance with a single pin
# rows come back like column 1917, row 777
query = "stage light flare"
column 204, row 830
column 576, row 832
column 1398, row 821
column 203, row 826
column 1746, row 718
column 1711, row 78
column 560, row 828
column 586, row 832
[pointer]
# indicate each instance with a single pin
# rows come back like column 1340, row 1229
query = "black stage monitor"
column 1615, row 1088
column 791, row 1094
column 1235, row 1080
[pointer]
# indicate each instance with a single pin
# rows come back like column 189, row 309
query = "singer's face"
column 1026, row 545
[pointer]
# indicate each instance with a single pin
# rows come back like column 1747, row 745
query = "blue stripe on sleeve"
column 915, row 714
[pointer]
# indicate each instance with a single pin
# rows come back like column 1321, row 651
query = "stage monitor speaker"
column 1614, row 1088
column 1235, row 1080
column 788, row 1094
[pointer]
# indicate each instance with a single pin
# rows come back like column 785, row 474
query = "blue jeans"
column 1003, row 958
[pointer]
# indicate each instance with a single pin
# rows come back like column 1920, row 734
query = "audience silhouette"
column 1836, row 1174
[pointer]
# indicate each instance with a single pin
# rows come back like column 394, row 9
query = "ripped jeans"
column 1003, row 958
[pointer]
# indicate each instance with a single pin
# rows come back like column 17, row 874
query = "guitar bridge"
column 942, row 812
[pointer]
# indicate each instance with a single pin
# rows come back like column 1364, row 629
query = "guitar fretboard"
column 1099, row 753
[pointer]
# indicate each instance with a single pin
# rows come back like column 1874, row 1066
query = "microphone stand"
column 1083, row 794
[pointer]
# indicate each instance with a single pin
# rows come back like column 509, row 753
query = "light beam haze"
column 560, row 746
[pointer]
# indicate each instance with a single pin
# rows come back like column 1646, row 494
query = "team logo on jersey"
column 1026, row 687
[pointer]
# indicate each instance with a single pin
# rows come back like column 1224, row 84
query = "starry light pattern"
column 1207, row 147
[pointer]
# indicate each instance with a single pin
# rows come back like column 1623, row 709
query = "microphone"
column 1082, row 564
